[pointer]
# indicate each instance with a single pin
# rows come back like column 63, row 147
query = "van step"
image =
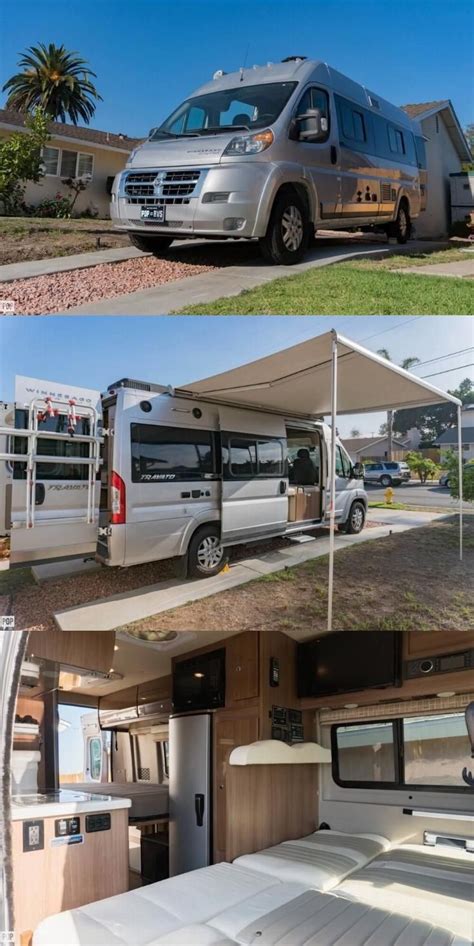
column 301, row 538
column 64, row 569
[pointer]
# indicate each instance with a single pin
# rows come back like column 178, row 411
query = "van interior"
column 215, row 788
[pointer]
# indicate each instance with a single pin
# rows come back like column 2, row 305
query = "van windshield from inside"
column 246, row 108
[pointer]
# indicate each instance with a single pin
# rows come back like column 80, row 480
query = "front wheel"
column 205, row 553
column 150, row 244
column 356, row 521
column 288, row 233
column 400, row 229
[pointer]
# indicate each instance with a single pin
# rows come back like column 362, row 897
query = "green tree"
column 469, row 134
column 432, row 421
column 407, row 363
column 56, row 80
column 424, row 468
column 451, row 464
column 355, row 432
column 21, row 161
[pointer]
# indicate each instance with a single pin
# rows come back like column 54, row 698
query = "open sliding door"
column 254, row 475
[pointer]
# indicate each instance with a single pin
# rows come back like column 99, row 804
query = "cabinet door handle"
column 199, row 809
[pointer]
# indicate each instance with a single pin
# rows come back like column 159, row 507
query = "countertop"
column 62, row 803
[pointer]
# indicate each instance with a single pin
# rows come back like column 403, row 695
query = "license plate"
column 154, row 214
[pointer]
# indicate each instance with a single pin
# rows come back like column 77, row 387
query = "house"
column 462, row 194
column 374, row 448
column 73, row 151
column 449, row 439
column 446, row 151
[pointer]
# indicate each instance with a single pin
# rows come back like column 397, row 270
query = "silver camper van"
column 49, row 462
column 185, row 477
column 274, row 153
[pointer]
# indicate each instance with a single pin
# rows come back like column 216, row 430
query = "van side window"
column 343, row 466
column 315, row 98
column 352, row 121
column 396, row 140
column 53, row 448
column 171, row 453
column 249, row 457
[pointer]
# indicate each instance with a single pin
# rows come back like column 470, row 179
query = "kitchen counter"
column 62, row 804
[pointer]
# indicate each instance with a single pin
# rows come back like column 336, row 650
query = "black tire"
column 202, row 540
column 289, row 230
column 400, row 229
column 385, row 480
column 150, row 244
column 448, row 484
column 356, row 521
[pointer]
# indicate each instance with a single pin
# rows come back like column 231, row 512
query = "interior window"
column 165, row 759
column 436, row 749
column 170, row 453
column 95, row 758
column 366, row 753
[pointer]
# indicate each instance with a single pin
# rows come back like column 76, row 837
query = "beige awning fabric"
column 297, row 381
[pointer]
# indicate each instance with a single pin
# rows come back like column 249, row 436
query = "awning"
column 297, row 381
column 328, row 374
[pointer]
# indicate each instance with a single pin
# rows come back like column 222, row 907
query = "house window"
column 65, row 163
column 51, row 160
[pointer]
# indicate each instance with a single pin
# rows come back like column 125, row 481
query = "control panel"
column 446, row 663
column 287, row 724
column 99, row 822
column 65, row 827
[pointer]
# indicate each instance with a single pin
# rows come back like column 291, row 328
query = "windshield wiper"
column 215, row 129
column 169, row 134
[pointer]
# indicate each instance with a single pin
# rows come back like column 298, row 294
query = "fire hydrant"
column 389, row 495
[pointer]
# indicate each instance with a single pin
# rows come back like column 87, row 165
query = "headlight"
column 250, row 144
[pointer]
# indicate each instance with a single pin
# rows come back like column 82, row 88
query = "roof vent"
column 219, row 73
column 294, row 58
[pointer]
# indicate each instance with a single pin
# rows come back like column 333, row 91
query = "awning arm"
column 460, row 481
column 332, row 508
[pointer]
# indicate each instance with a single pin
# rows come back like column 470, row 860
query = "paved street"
column 415, row 493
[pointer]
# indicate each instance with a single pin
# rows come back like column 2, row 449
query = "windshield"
column 249, row 107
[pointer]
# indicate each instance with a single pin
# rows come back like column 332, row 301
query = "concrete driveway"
column 329, row 248
column 414, row 493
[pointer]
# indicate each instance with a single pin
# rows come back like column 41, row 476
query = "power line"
column 392, row 327
column 447, row 370
column 442, row 357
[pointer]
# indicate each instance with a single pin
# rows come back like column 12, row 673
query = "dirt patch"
column 33, row 238
column 407, row 581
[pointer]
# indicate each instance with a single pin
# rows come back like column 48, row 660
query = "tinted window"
column 391, row 466
column 246, row 457
column 270, row 458
column 259, row 106
column 353, row 125
column 343, row 465
column 243, row 457
column 53, row 448
column 396, row 140
column 169, row 453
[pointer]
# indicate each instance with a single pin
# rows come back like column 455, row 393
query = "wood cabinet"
column 431, row 643
column 242, row 680
column 88, row 650
column 155, row 697
column 231, row 728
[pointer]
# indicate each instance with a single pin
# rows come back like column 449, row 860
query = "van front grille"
column 167, row 186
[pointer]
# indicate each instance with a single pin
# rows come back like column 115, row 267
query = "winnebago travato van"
column 274, row 153
column 182, row 476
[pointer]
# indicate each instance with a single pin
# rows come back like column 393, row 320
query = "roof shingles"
column 64, row 130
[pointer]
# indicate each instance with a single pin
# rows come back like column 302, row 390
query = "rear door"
column 254, row 475
column 60, row 496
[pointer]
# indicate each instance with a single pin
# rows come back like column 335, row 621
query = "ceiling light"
column 350, row 705
column 151, row 637
column 199, row 676
column 446, row 693
column 116, row 647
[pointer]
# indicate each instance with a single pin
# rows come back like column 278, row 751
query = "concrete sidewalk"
column 231, row 280
column 461, row 269
column 63, row 264
column 107, row 614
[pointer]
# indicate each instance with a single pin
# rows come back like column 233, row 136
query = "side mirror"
column 152, row 132
column 468, row 777
column 358, row 471
column 312, row 125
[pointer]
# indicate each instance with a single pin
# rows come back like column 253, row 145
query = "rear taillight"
column 117, row 496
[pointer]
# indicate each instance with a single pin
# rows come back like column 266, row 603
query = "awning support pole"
column 460, row 480
column 332, row 508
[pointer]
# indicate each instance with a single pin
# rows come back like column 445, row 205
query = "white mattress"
column 148, row 799
column 431, row 883
column 320, row 860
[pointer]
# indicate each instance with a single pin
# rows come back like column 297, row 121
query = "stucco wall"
column 442, row 160
column 106, row 164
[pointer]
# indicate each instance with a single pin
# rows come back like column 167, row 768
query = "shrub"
column 21, row 161
column 58, row 207
column 424, row 468
column 452, row 466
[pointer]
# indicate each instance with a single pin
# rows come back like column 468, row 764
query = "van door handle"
column 199, row 809
column 333, row 154
column 40, row 492
column 282, row 487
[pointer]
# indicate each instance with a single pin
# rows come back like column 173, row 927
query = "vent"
column 137, row 385
column 144, row 775
column 374, row 102
column 294, row 58
column 386, row 193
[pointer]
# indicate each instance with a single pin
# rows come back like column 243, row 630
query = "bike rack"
column 32, row 458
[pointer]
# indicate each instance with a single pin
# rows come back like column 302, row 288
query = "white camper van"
column 257, row 789
column 274, row 153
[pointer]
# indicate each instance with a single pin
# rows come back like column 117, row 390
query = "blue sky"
column 149, row 54
column 93, row 352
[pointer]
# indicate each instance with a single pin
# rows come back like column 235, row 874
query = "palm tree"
column 56, row 80
column 407, row 363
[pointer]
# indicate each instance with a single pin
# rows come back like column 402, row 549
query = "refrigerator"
column 190, row 800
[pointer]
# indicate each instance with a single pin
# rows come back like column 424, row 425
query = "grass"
column 399, row 261
column 397, row 582
column 33, row 238
column 383, row 505
column 347, row 289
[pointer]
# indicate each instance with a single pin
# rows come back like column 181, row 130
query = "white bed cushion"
column 432, row 883
column 323, row 919
column 140, row 916
column 320, row 860
column 236, row 918
column 198, row 934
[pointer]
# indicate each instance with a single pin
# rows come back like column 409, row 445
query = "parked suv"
column 387, row 473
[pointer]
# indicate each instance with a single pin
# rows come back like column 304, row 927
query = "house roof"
column 451, row 435
column 77, row 133
column 358, row 444
column 423, row 110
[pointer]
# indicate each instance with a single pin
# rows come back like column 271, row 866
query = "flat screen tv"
column 346, row 661
column 199, row 682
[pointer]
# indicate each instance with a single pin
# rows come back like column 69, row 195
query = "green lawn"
column 348, row 289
